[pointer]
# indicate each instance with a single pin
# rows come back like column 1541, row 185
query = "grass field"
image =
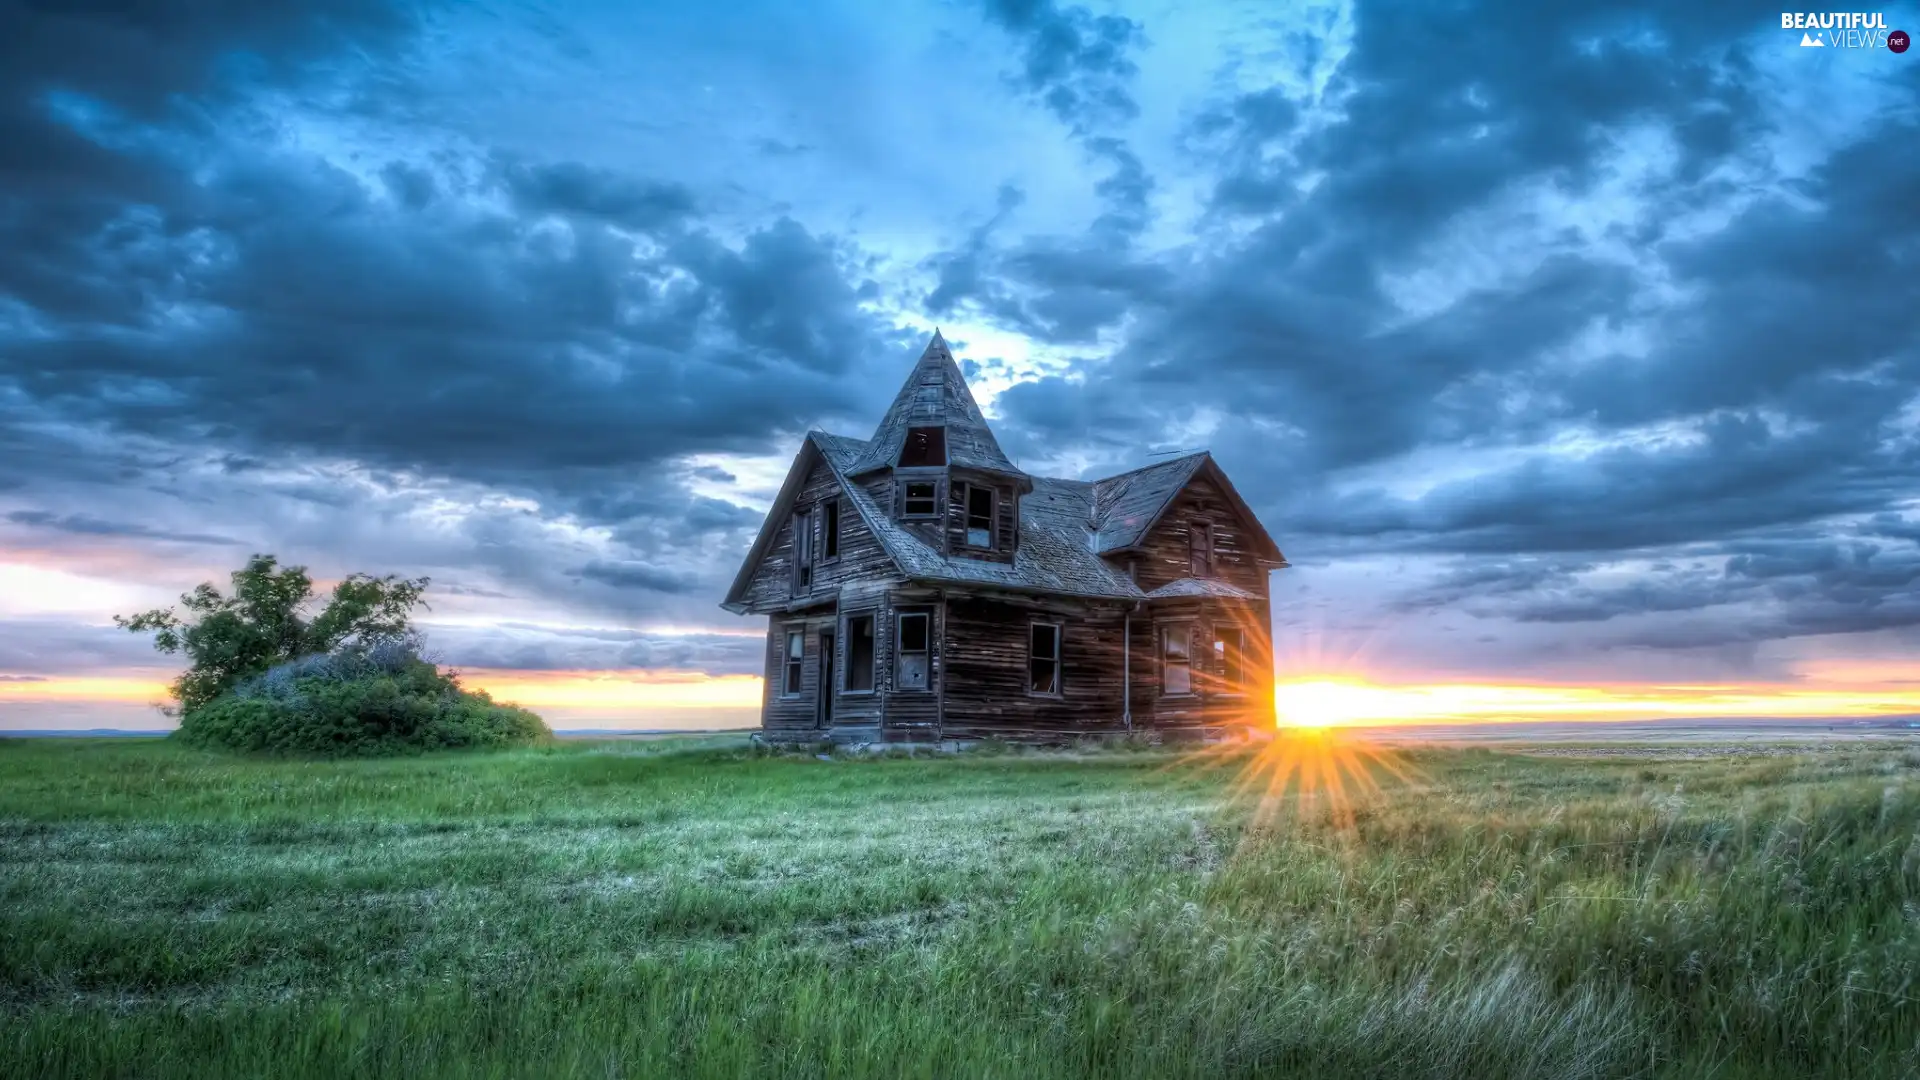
column 677, row 908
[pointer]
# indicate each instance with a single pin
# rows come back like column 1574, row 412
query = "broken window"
column 1176, row 661
column 859, row 653
column 913, row 667
column 925, row 447
column 1043, row 658
column 830, row 529
column 920, row 499
column 1229, row 651
column 1200, row 549
column 796, row 652
column 802, row 551
column 979, row 516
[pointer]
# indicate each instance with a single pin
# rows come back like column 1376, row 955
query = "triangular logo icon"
column 1809, row 41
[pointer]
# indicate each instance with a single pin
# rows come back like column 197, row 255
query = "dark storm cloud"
column 634, row 575
column 83, row 525
column 531, row 648
column 199, row 320
column 1773, row 391
column 1079, row 66
column 574, row 189
column 1075, row 62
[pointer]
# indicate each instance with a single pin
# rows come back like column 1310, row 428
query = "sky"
column 1571, row 352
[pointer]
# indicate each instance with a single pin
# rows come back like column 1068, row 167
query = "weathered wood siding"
column 1212, row 703
column 931, row 531
column 779, row 712
column 914, row 715
column 985, row 678
column 862, row 709
column 860, row 559
column 1006, row 522
column 1165, row 556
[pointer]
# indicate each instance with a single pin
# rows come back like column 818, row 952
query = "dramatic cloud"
column 1568, row 338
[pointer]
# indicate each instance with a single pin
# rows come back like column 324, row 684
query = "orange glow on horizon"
column 1347, row 702
column 638, row 690
column 1302, row 702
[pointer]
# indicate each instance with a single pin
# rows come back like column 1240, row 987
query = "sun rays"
column 1317, row 772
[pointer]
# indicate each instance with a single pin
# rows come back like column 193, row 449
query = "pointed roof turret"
column 936, row 395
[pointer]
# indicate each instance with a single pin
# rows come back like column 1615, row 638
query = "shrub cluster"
column 373, row 700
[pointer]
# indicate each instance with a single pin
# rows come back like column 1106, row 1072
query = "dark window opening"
column 925, row 447
column 830, row 530
column 1043, row 658
column 979, row 516
column 920, row 500
column 796, row 652
column 802, row 551
column 914, row 666
column 1176, row 661
column 1229, row 653
column 1200, row 549
column 859, row 652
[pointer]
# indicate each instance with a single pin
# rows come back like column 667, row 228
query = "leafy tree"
column 262, row 622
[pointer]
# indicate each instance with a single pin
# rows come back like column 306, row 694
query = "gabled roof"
column 1204, row 587
column 810, row 450
column 1127, row 505
column 1061, row 529
column 1065, row 525
column 935, row 395
column 1054, row 553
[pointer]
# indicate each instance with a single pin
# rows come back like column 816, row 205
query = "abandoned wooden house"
column 919, row 586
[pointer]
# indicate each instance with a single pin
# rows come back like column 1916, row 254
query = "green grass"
column 685, row 908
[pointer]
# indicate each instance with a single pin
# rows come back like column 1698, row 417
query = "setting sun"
column 1325, row 703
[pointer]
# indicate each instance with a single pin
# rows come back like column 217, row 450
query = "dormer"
column 935, row 464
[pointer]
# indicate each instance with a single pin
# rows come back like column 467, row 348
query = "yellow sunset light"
column 1324, row 702
column 1317, row 702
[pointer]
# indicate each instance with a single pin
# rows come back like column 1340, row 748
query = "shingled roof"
column 935, row 395
column 1204, row 587
column 1054, row 554
column 1127, row 505
column 1065, row 525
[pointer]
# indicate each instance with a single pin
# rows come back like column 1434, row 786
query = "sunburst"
column 1311, row 772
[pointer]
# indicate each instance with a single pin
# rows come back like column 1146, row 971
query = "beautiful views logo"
column 1844, row 30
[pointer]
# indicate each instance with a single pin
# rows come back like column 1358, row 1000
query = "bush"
column 383, row 699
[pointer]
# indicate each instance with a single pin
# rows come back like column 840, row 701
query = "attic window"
column 979, row 516
column 920, row 499
column 1200, row 549
column 830, row 529
column 925, row 447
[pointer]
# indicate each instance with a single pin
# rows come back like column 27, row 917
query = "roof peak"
column 935, row 394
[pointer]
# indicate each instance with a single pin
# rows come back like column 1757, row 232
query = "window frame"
column 966, row 515
column 830, row 515
column 906, row 443
column 1200, row 546
column 933, row 506
column 1232, row 673
column 1059, row 649
column 802, row 550
column 1164, row 631
column 901, row 652
column 873, row 653
column 793, row 669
